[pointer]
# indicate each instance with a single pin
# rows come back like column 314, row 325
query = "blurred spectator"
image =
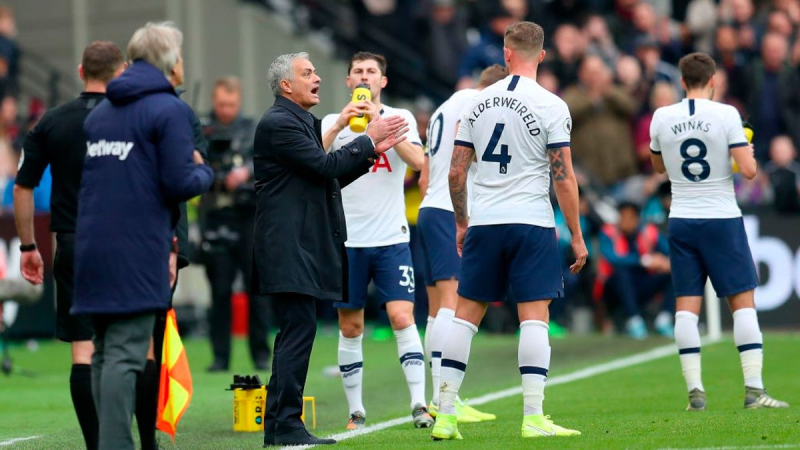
column 601, row 129
column 598, row 39
column 9, row 51
column 656, row 209
column 568, row 48
column 778, row 22
column 654, row 68
column 634, row 268
column 446, row 41
column 752, row 193
column 547, row 79
column 663, row 94
column 489, row 50
column 701, row 19
column 784, row 175
column 729, row 58
column 722, row 91
column 629, row 76
column 790, row 100
column 740, row 14
column 765, row 78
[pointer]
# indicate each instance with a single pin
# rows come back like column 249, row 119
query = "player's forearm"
column 412, row 154
column 567, row 195
column 658, row 163
column 329, row 136
column 459, row 165
column 458, row 194
column 566, row 187
column 23, row 213
column 424, row 177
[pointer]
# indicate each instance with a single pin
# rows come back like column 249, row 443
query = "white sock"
column 455, row 357
column 440, row 332
column 409, row 348
column 687, row 337
column 747, row 336
column 428, row 335
column 534, row 363
column 351, row 362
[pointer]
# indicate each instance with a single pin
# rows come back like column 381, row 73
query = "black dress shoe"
column 301, row 436
column 217, row 366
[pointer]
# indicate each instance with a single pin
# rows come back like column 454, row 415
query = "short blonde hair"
column 526, row 37
column 157, row 43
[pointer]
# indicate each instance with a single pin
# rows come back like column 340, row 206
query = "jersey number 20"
column 688, row 160
column 503, row 157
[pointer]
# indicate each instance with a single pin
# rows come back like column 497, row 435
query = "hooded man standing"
column 140, row 164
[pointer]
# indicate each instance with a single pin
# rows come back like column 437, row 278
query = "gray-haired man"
column 300, row 229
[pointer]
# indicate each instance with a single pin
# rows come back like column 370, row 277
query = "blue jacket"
column 138, row 168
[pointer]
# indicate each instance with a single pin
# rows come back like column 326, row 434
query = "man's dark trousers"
column 297, row 316
column 223, row 261
column 121, row 343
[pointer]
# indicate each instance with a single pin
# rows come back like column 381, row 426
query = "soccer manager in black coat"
column 300, row 229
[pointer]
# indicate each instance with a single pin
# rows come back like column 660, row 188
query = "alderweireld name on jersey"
column 502, row 101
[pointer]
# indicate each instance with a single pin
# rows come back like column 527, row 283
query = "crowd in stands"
column 613, row 62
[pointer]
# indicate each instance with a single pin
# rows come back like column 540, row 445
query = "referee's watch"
column 27, row 247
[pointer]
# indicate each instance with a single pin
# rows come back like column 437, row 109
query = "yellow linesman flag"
column 175, row 389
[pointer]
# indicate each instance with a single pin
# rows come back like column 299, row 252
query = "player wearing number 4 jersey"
column 520, row 133
column 693, row 142
column 377, row 244
column 437, row 231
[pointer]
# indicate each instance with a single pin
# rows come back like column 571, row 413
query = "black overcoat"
column 300, row 226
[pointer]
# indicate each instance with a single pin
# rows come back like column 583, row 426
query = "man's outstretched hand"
column 387, row 132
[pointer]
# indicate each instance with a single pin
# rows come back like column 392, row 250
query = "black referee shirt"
column 58, row 140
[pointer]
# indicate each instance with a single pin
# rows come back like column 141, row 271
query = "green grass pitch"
column 636, row 407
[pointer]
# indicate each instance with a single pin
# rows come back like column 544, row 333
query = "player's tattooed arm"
column 566, row 187
column 459, row 166
column 558, row 166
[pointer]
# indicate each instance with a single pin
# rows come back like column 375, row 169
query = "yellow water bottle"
column 361, row 93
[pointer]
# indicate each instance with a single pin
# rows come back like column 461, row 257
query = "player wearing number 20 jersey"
column 693, row 141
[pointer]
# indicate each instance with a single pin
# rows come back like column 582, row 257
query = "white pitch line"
column 621, row 363
column 15, row 440
column 740, row 447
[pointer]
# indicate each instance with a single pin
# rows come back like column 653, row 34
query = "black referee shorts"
column 69, row 328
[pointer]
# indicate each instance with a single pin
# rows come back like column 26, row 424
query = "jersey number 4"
column 699, row 160
column 503, row 158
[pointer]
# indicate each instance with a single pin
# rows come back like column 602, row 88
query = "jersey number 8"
column 688, row 160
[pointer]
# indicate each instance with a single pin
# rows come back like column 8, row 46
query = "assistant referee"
column 58, row 140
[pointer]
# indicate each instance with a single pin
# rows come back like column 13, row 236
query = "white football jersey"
column 374, row 205
column 441, row 134
column 694, row 137
column 511, row 125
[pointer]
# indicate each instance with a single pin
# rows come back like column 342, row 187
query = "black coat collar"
column 309, row 119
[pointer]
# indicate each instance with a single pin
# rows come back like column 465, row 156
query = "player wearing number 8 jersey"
column 693, row 142
column 519, row 133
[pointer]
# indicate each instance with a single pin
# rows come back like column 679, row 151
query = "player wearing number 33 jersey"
column 693, row 142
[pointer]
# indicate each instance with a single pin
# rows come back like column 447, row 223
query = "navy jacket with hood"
column 138, row 168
